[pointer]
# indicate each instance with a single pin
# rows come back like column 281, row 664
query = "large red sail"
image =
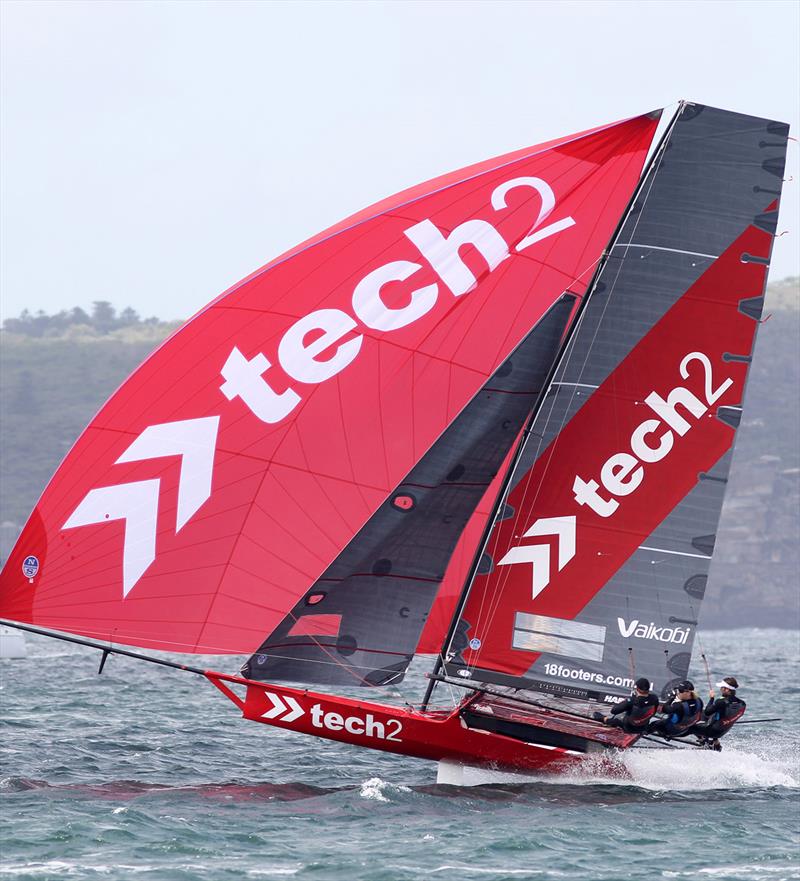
column 238, row 461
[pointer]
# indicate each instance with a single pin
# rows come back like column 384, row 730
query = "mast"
column 562, row 354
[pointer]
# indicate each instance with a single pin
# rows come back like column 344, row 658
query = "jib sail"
column 233, row 468
column 597, row 563
column 360, row 623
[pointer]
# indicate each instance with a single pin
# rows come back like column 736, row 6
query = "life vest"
column 725, row 719
column 692, row 711
column 640, row 715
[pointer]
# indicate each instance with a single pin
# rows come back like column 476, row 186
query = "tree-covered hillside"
column 56, row 371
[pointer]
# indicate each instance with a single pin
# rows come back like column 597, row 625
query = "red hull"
column 434, row 735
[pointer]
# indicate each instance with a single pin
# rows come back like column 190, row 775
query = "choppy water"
column 152, row 774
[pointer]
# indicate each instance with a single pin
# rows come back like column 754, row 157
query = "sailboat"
column 491, row 417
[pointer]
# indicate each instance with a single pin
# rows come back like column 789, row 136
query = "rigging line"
column 502, row 496
column 487, row 532
column 663, row 743
column 108, row 650
column 494, row 598
column 632, row 662
column 593, row 266
column 700, row 646
column 485, row 689
column 485, row 598
column 601, row 263
column 648, row 179
column 652, row 173
column 655, row 164
column 333, row 662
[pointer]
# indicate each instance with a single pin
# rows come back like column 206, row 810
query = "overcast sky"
column 155, row 153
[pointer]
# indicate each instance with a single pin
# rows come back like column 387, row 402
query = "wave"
column 130, row 789
column 376, row 789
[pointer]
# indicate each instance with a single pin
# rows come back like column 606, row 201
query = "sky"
column 153, row 154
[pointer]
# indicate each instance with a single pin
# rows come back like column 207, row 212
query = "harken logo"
column 638, row 630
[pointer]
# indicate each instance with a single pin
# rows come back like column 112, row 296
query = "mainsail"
column 598, row 559
column 230, row 473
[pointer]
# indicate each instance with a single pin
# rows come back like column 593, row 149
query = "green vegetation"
column 77, row 325
column 56, row 371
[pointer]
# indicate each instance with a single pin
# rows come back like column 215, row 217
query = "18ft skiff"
column 489, row 418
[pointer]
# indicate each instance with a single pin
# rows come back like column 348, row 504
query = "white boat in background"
column 12, row 644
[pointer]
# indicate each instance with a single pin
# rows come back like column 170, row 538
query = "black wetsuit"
column 679, row 717
column 633, row 714
column 721, row 713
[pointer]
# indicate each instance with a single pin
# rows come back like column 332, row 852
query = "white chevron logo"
column 561, row 528
column 280, row 705
column 194, row 440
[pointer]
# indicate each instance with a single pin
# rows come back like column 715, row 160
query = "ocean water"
column 150, row 773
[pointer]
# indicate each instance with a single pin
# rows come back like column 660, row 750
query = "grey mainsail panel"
column 359, row 624
column 719, row 170
column 718, row 176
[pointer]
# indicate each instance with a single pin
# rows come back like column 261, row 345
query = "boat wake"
column 657, row 770
column 692, row 770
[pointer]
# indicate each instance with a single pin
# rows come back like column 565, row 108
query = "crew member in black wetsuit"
column 681, row 712
column 633, row 714
column 721, row 713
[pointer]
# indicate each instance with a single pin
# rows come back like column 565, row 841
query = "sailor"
column 683, row 710
column 721, row 713
column 633, row 714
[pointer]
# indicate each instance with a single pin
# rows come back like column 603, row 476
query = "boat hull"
column 436, row 735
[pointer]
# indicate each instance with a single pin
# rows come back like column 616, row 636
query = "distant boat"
column 12, row 644
column 522, row 380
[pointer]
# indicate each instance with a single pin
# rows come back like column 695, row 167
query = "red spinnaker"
column 235, row 464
